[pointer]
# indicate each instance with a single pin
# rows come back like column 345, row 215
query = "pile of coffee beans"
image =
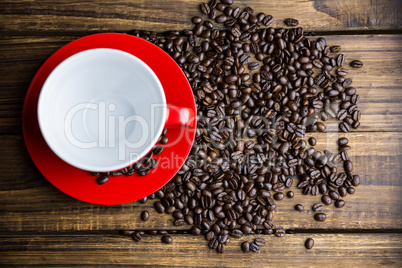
column 258, row 91
column 143, row 166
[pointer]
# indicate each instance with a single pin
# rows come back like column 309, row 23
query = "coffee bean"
column 344, row 148
column 291, row 22
column 340, row 60
column 309, row 243
column 158, row 150
column 253, row 65
column 312, row 141
column 164, row 140
column 279, row 196
column 205, row 8
column 326, row 200
column 317, row 207
column 254, row 247
column 167, row 239
column 236, row 233
column 334, row 195
column 280, row 232
column 290, row 194
column 259, row 241
column 339, row 203
column 159, row 207
column 320, row 216
column 227, row 2
column 136, row 236
column 344, row 127
column 348, row 166
column 144, row 215
column 342, row 141
column 245, row 246
column 299, row 207
column 356, row 180
column 356, row 64
column 102, row 179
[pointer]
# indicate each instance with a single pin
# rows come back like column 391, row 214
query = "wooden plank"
column 379, row 82
column 331, row 250
column 48, row 16
column 30, row 203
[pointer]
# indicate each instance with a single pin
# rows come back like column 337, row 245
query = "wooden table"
column 41, row 226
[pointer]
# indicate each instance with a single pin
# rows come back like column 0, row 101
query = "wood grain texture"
column 330, row 250
column 379, row 82
column 30, row 203
column 48, row 16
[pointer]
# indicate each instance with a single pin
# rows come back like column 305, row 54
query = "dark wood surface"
column 41, row 226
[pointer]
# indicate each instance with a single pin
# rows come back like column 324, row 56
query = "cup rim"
column 70, row 160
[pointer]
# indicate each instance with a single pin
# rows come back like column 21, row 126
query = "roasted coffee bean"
column 320, row 216
column 290, row 194
column 259, row 241
column 245, row 246
column 326, row 200
column 312, row 141
column 136, row 236
column 317, row 207
column 102, row 179
column 344, row 127
column 236, row 233
column 348, row 166
column 158, row 150
column 309, row 243
column 344, row 148
column 339, row 203
column 279, row 196
column 299, row 207
column 164, row 140
column 355, row 180
column 356, row 64
column 280, row 232
column 144, row 215
column 159, row 207
column 342, row 141
column 291, row 22
column 254, row 247
column 340, row 60
column 334, row 195
column 167, row 239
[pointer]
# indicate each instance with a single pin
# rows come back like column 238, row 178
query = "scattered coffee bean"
column 167, row 239
column 290, row 194
column 342, row 141
column 254, row 247
column 144, row 215
column 317, row 207
column 291, row 22
column 158, row 150
column 245, row 246
column 320, row 216
column 136, row 236
column 339, row 203
column 326, row 200
column 309, row 243
column 312, row 141
column 259, row 241
column 299, row 207
column 356, row 64
column 102, row 179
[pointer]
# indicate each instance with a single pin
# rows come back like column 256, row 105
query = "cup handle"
column 179, row 116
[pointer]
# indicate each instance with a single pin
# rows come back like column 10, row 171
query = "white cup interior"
column 101, row 109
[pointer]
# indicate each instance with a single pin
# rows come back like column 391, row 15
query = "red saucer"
column 122, row 189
